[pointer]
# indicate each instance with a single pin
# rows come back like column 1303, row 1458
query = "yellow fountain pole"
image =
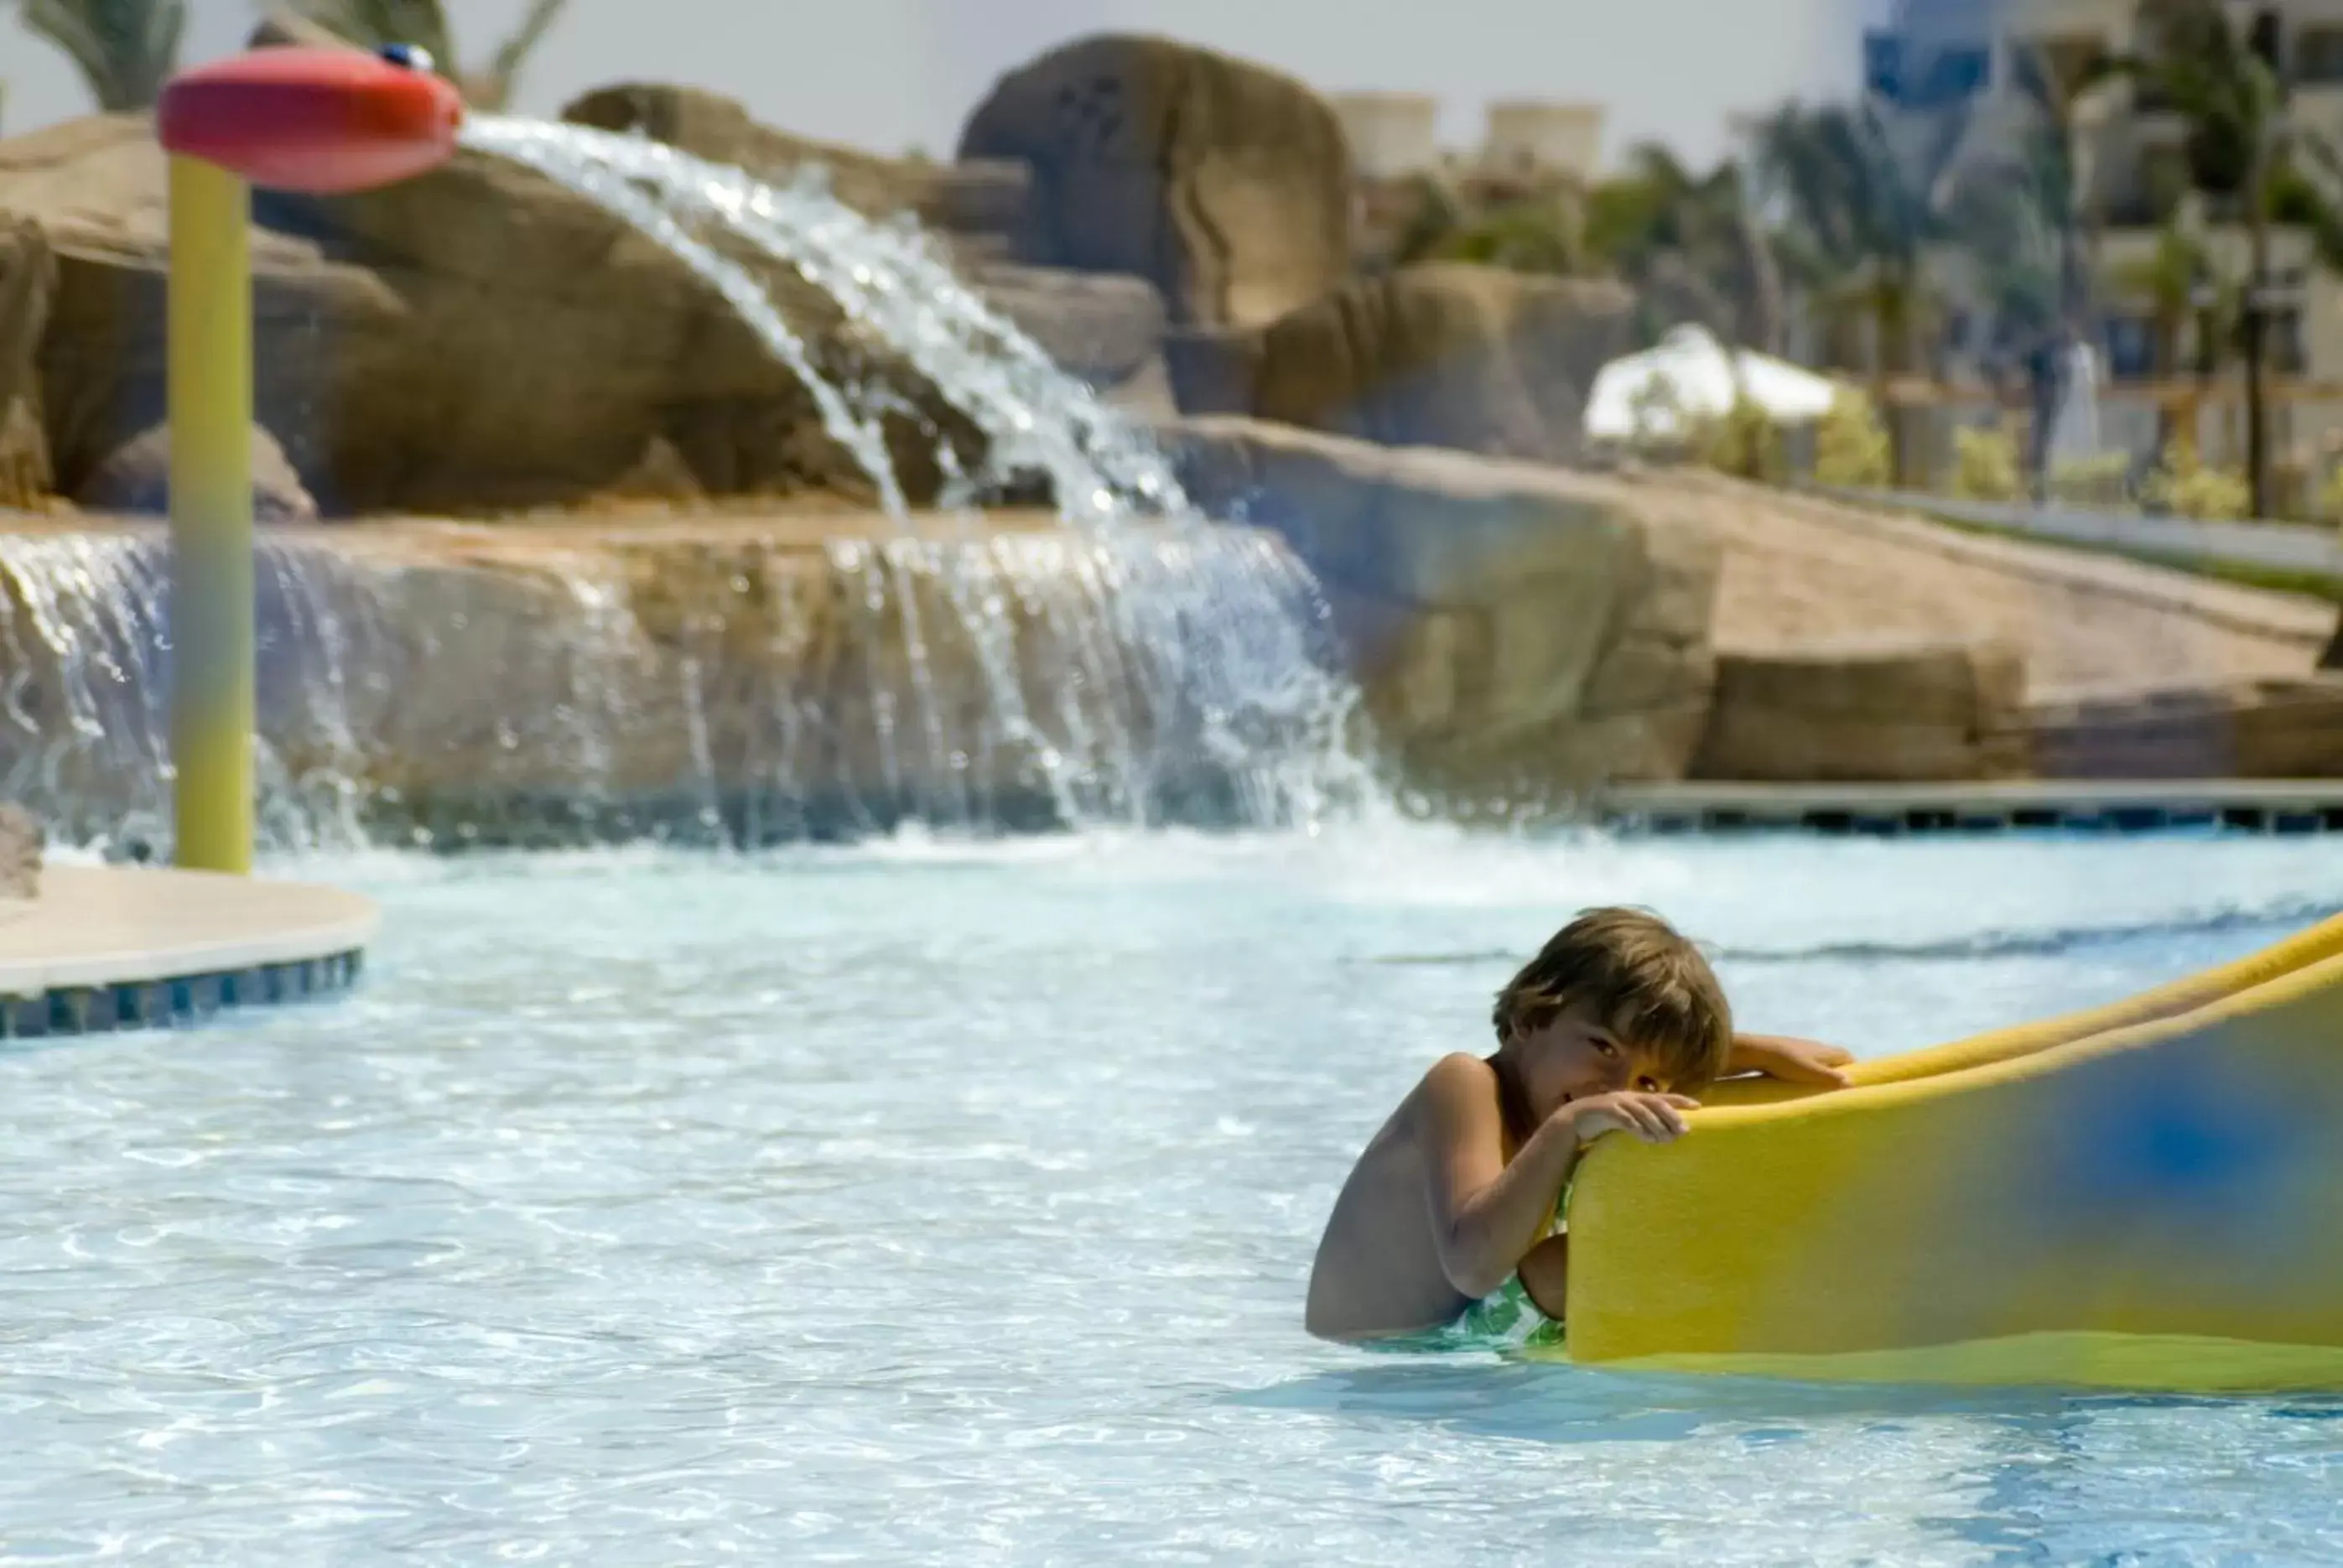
column 322, row 121
column 210, row 391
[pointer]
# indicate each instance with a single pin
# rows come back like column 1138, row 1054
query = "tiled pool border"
column 177, row 999
column 1835, row 821
column 2257, row 806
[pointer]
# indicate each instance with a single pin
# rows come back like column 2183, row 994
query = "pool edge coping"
column 137, row 946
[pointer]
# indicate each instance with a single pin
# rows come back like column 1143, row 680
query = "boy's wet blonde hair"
column 1646, row 982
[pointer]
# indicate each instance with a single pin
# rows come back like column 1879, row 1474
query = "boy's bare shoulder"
column 1457, row 1083
column 1452, row 1092
column 1458, row 1072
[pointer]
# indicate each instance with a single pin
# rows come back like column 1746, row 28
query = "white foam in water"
column 1188, row 668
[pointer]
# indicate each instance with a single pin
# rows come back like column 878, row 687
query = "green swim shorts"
column 1507, row 1318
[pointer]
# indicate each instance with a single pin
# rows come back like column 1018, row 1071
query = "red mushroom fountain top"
column 322, row 121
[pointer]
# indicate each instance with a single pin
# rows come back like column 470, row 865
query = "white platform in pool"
column 102, row 947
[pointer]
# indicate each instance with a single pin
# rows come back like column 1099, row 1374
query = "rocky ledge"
column 834, row 672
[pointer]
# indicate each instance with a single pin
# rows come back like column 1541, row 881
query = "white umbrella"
column 1688, row 376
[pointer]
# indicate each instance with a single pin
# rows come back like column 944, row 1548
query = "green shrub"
column 2103, row 481
column 1851, row 445
column 1985, row 464
column 1743, row 442
column 2184, row 485
column 2326, row 505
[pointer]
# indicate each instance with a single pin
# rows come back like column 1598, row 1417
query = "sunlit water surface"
column 924, row 1201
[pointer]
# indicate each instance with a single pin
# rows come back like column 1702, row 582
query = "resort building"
column 1944, row 72
column 1526, row 145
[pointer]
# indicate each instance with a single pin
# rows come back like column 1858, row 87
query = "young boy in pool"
column 1613, row 1028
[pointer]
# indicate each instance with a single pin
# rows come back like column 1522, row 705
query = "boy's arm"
column 1485, row 1213
column 1791, row 1061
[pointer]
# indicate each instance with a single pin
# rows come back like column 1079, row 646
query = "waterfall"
column 757, row 691
column 1135, row 665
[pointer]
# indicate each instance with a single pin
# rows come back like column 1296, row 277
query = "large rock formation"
column 28, row 278
column 472, row 340
column 1225, row 183
column 1444, row 355
column 1107, row 328
column 712, row 126
column 1882, row 712
column 1522, row 632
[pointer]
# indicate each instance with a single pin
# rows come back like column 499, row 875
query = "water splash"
column 889, row 282
column 1249, row 649
column 1138, row 666
column 84, row 727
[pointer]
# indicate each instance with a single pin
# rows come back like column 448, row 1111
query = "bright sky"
column 889, row 74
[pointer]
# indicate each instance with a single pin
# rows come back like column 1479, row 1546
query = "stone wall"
column 2282, row 728
column 1900, row 712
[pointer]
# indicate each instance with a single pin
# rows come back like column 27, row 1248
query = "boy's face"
column 1577, row 1055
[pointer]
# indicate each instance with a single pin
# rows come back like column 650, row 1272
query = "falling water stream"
column 1137, row 664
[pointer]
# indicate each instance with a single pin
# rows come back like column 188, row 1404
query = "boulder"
column 1522, row 633
column 2274, row 728
column 138, row 479
column 1478, row 358
column 1105, row 329
column 478, row 339
column 712, row 126
column 980, row 200
column 20, row 853
column 28, row 278
column 1872, row 712
column 1225, row 183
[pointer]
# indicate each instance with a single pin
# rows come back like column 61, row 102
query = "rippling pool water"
column 922, row 1202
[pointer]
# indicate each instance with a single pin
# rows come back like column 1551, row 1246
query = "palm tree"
column 2247, row 154
column 1691, row 246
column 1542, row 233
column 1860, row 215
column 424, row 23
column 1436, row 213
column 125, row 50
column 2013, row 197
column 2173, row 279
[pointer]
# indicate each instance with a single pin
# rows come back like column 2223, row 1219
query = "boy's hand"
column 1791, row 1061
column 1653, row 1118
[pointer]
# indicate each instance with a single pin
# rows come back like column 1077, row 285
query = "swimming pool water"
column 928, row 1201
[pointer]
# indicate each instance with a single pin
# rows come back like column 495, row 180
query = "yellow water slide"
column 2147, row 1195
